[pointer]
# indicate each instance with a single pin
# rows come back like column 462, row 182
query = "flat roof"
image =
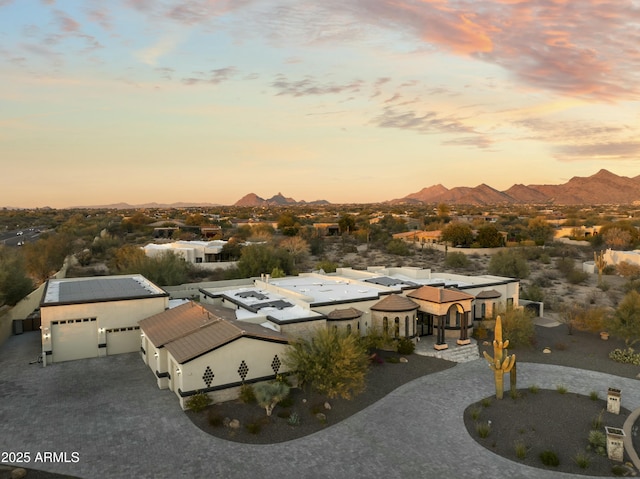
column 259, row 302
column 99, row 289
column 324, row 290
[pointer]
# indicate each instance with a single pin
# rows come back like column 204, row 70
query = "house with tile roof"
column 200, row 348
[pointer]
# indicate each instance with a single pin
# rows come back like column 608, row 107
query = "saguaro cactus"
column 500, row 363
column 598, row 259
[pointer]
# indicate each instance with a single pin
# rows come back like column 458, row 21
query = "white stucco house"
column 96, row 316
column 202, row 254
column 198, row 348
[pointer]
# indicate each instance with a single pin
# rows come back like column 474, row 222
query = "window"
column 396, row 329
column 406, row 326
column 348, row 329
column 385, row 325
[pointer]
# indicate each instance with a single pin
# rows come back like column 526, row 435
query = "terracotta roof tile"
column 190, row 330
column 395, row 302
column 347, row 313
column 488, row 294
column 439, row 295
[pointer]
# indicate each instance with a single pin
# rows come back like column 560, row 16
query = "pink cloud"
column 586, row 48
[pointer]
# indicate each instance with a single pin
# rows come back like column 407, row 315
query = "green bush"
column 627, row 356
column 483, row 429
column 475, row 413
column 294, row 419
column 596, row 422
column 593, row 395
column 549, row 458
column 286, row 402
column 456, row 260
column 521, row 449
column 534, row 389
column 561, row 389
column 254, row 427
column 598, row 441
column 582, row 460
column 198, row 402
column 405, row 346
column 247, row 395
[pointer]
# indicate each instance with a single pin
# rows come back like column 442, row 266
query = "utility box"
column 613, row 401
column 615, row 443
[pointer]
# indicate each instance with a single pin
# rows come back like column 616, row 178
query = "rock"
column 546, row 351
column 327, row 406
column 321, row 417
column 18, row 473
column 304, row 401
column 404, row 360
column 226, row 421
column 234, row 424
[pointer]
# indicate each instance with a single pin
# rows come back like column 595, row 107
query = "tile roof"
column 346, row 313
column 439, row 295
column 190, row 330
column 488, row 294
column 395, row 302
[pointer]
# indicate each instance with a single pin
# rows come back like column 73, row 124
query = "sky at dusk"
column 344, row 100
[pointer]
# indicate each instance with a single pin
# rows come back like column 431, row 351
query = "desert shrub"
column 520, row 448
column 268, row 395
column 518, row 327
column 486, row 402
column 247, row 395
column 618, row 470
column 334, row 363
column 626, row 356
column 596, row 422
column 198, row 402
column 398, row 247
column 632, row 285
column 582, row 460
column 294, row 419
column 254, row 427
column 483, row 429
column 392, row 359
column 214, row 418
column 456, row 260
column 405, row 346
column 549, row 458
column 533, row 293
column 534, row 389
column 480, row 331
column 475, row 413
column 286, row 402
column 576, row 276
column 327, row 266
column 509, row 263
column 628, row 270
column 593, row 395
column 598, row 441
column 561, row 389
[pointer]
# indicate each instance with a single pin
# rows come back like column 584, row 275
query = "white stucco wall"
column 225, row 362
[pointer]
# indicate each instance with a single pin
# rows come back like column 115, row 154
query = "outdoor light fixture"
column 101, row 330
column 178, row 371
column 155, row 355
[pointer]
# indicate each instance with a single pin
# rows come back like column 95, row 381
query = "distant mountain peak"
column 252, row 199
column 603, row 187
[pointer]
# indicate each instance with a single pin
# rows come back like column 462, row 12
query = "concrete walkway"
column 111, row 414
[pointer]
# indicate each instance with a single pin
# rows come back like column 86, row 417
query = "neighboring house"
column 202, row 254
column 200, row 348
column 97, row 316
column 419, row 236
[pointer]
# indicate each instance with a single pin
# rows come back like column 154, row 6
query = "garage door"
column 74, row 339
column 123, row 340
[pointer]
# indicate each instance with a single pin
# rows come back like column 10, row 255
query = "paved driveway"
column 110, row 412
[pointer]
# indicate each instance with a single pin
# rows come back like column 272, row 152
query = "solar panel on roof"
column 96, row 289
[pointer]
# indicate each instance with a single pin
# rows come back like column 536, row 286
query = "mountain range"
column 278, row 200
column 602, row 188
